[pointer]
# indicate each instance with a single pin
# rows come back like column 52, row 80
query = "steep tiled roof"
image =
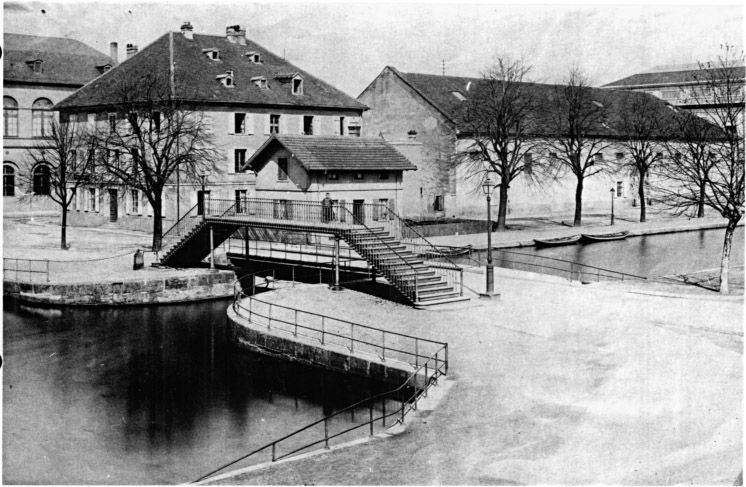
column 439, row 92
column 64, row 61
column 334, row 153
column 662, row 78
column 195, row 76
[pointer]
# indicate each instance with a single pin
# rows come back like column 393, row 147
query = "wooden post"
column 336, row 287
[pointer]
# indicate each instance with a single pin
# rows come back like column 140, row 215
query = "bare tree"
column 691, row 159
column 575, row 117
column 641, row 123
column 722, row 82
column 59, row 164
column 497, row 119
column 152, row 140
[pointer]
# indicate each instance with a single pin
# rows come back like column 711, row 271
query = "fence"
column 389, row 406
column 548, row 265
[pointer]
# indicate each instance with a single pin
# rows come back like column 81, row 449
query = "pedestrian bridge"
column 410, row 263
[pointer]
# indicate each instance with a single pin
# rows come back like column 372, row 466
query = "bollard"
column 139, row 261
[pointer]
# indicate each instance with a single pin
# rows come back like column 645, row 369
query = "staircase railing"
column 409, row 287
column 186, row 224
column 419, row 245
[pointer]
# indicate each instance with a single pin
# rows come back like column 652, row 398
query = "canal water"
column 146, row 395
column 646, row 256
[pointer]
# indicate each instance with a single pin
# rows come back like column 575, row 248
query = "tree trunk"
column 725, row 260
column 157, row 223
column 502, row 209
column 701, row 202
column 63, row 229
column 641, row 194
column 578, row 203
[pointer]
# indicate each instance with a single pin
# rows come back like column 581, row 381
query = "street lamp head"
column 611, row 191
column 489, row 183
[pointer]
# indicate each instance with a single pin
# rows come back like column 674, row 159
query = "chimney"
column 232, row 33
column 114, row 52
column 131, row 50
column 187, row 30
column 241, row 35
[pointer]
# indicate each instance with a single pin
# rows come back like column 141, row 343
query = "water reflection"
column 145, row 395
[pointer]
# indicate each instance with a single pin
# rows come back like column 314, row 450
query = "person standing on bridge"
column 326, row 209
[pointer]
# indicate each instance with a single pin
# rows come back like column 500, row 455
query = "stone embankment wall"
column 152, row 290
column 249, row 336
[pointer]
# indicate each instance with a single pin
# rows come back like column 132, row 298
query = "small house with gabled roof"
column 246, row 94
column 353, row 171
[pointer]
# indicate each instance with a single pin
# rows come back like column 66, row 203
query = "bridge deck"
column 331, row 227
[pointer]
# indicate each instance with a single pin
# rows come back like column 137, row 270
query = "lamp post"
column 202, row 175
column 488, row 186
column 611, row 191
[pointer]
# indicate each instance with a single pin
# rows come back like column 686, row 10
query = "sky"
column 349, row 44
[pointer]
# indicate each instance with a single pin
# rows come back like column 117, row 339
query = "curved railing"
column 427, row 371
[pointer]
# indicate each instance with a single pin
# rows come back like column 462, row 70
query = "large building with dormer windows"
column 38, row 72
column 246, row 93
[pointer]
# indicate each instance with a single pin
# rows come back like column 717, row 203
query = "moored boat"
column 554, row 242
column 604, row 237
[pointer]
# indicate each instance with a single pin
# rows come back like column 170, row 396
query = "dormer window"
column 35, row 65
column 104, row 68
column 298, row 86
column 260, row 81
column 226, row 79
column 212, row 53
column 254, row 57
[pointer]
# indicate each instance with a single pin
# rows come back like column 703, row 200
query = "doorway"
column 358, row 211
column 113, row 205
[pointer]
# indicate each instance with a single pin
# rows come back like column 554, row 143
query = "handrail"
column 431, row 375
column 272, row 318
column 185, row 224
column 383, row 266
column 598, row 270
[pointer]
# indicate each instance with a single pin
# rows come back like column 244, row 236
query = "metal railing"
column 191, row 220
column 394, row 404
column 573, row 271
column 334, row 332
column 29, row 268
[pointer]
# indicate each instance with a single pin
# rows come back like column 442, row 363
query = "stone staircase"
column 405, row 270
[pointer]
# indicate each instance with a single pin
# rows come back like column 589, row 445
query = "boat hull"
column 556, row 242
column 606, row 237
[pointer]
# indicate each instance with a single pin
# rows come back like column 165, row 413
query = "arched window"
column 41, row 180
column 41, row 118
column 9, row 180
column 10, row 117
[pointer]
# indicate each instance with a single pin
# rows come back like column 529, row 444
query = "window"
column 282, row 169
column 669, row 94
column 307, row 125
column 239, row 123
column 599, row 157
column 212, row 53
column 112, row 156
column 619, row 189
column 239, row 159
column 274, row 124
column 359, row 176
column 619, row 156
column 92, row 200
column 297, row 86
column 9, row 180
column 383, row 175
column 528, row 163
column 383, row 209
column 41, row 118
column 135, row 202
column 41, row 179
column 353, row 128
column 260, row 81
column 35, row 66
column 10, row 117
column 341, row 125
column 553, row 155
column 112, row 123
column 332, row 176
column 156, row 121
column 438, row 203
